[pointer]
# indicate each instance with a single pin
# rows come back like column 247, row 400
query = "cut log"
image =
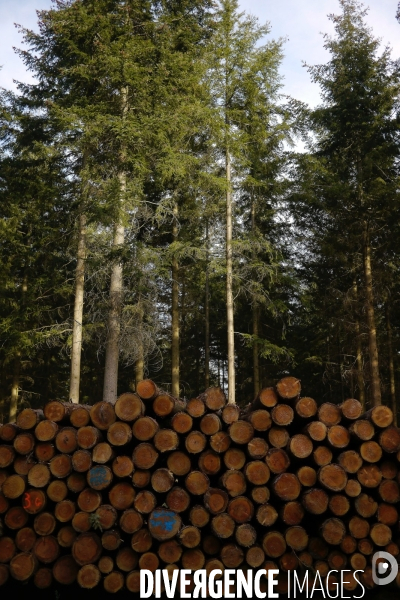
column 369, row 476
column 105, row 564
column 389, row 491
column 257, row 448
column 333, row 531
column 142, row 540
column 190, row 536
column 8, row 431
column 119, row 434
column 371, row 452
column 348, row 545
column 307, row 476
column 235, row 458
column 46, row 431
column 34, row 501
column 65, row 570
column 80, row 416
column 7, row 549
column 182, row 422
column 220, row 441
column 28, row 418
column 102, row 415
column 113, row 582
column 255, row 556
column 288, row 388
column 267, row 397
column 179, row 463
column 111, row 540
column 39, row 475
column 103, row 453
column 282, row 415
column 60, row 466
column 389, row 469
column 141, row 478
column 260, row 420
column 351, row 409
column 66, row 440
column 246, row 535
column 362, row 429
column 381, row 416
column 318, row 548
column 24, row 443
column 358, row 562
column 337, row 560
column 241, row 432
column 210, row 424
column 147, row 389
column 338, row 436
column 131, row 521
column 197, row 483
column 88, row 436
column 365, row 546
column 44, row 523
column 162, row 480
column 44, row 452
column 76, row 482
column 129, row 407
column 145, row 428
column 209, row 462
column 358, row 527
column 132, row 582
column 300, row 446
column 122, row 466
column 241, row 509
column 23, row 566
column 315, row 501
column 199, row 516
column 23, row 464
column 339, row 505
column 166, row 440
column 222, row 525
column 13, row 487
column 145, row 502
column 387, row 514
column 106, row 516
column 178, row 499
column 164, row 524
column 43, row 578
column 296, row 538
column 193, row 560
column 353, row 488
column 274, row 544
column 88, row 577
column 144, row 456
column 380, row 534
column 196, row 407
column 127, row 560
column 66, row 536
column 57, row 411
column 216, row 500
column 365, row 506
column 214, row 398
column 232, row 556
column 122, row 495
column 25, row 539
column 81, row 522
column 211, row 545
column 99, row 477
column 389, row 439
column 234, row 482
column 165, row 405
column 16, row 517
column 46, row 549
column 286, row 486
column 257, row 472
column 4, row 504
column 81, row 461
column 322, row 456
column 332, row 477
column 316, row 430
column 350, row 461
column 330, row 414
column 64, row 511
column 195, row 442
column 89, row 500
column 306, row 408
column 266, row 515
column 230, row 413
column 292, row 513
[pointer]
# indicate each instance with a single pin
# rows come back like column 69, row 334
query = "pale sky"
column 300, row 21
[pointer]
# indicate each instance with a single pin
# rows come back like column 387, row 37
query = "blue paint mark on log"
column 163, row 523
column 98, row 476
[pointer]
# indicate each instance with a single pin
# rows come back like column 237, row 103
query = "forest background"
column 171, row 207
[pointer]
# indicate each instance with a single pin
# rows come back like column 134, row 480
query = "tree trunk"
column 207, row 318
column 175, row 313
column 391, row 364
column 76, row 351
column 116, row 287
column 229, row 290
column 359, row 356
column 256, row 363
column 369, row 297
column 15, row 390
column 139, row 363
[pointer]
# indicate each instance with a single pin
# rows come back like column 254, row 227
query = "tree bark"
column 76, row 350
column 139, row 363
column 369, row 297
column 175, row 313
column 391, row 364
column 256, row 363
column 359, row 356
column 15, row 389
column 229, row 290
column 207, row 318
column 116, row 287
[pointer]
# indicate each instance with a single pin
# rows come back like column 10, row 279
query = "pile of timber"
column 95, row 493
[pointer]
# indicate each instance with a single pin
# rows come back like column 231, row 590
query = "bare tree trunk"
column 391, row 363
column 359, row 356
column 139, row 363
column 175, row 313
column 15, row 389
column 207, row 318
column 256, row 360
column 76, row 351
column 229, row 290
column 369, row 297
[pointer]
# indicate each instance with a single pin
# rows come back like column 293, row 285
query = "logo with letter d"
column 384, row 572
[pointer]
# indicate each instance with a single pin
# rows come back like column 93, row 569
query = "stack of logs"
column 96, row 493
